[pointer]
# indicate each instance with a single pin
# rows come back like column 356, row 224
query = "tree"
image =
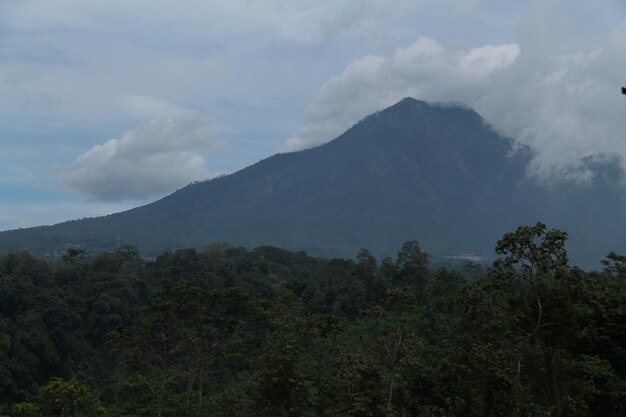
column 366, row 271
column 615, row 266
column 411, row 264
column 60, row 398
column 182, row 338
column 534, row 249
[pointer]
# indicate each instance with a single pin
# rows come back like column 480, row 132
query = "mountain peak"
column 417, row 116
column 409, row 107
column 407, row 104
column 410, row 101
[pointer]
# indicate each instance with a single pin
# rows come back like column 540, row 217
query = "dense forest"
column 230, row 332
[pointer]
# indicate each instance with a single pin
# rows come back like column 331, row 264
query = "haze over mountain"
column 434, row 173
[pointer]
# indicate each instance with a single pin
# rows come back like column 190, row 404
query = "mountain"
column 437, row 174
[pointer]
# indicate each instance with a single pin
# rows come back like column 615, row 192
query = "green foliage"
column 534, row 249
column 411, row 265
column 70, row 399
column 615, row 266
column 26, row 410
column 60, row 398
column 231, row 332
column 183, row 340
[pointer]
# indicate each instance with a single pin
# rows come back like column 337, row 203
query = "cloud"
column 424, row 69
column 298, row 21
column 566, row 105
column 159, row 156
column 146, row 107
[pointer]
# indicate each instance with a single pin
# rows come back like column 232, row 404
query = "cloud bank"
column 160, row 155
column 424, row 70
column 565, row 105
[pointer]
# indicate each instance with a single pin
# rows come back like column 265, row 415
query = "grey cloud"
column 297, row 20
column 153, row 159
column 565, row 105
column 197, row 52
column 424, row 69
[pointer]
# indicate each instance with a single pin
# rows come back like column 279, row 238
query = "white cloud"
column 566, row 105
column 156, row 158
column 424, row 69
column 488, row 59
column 300, row 21
column 76, row 85
column 146, row 107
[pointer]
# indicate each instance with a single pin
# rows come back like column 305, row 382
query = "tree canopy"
column 268, row 332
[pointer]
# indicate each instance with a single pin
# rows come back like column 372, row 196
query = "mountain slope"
column 412, row 171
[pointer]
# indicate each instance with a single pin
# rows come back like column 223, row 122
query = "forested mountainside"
column 438, row 174
column 268, row 332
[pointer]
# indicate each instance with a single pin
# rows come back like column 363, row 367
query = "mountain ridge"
column 435, row 173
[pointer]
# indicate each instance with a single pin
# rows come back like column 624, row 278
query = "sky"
column 109, row 104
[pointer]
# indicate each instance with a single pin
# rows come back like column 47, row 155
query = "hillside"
column 437, row 174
